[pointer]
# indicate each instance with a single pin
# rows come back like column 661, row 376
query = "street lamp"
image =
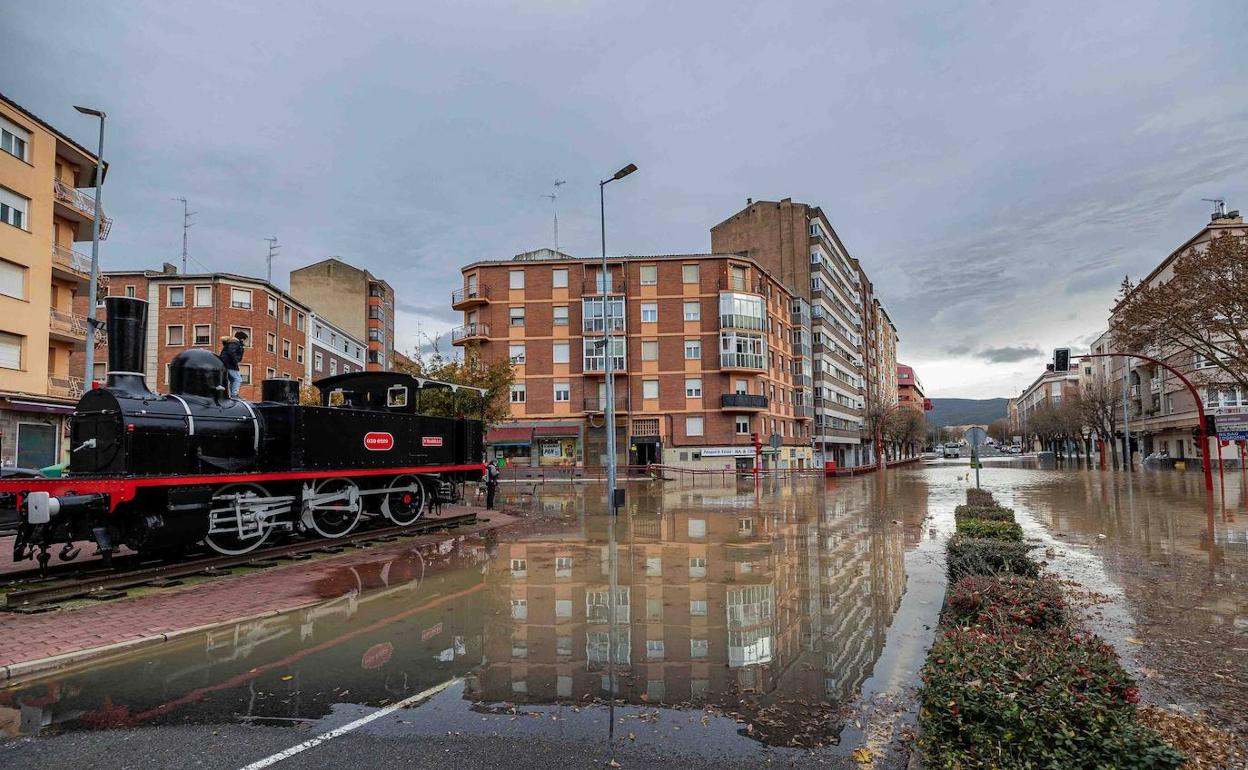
column 609, row 411
column 92, row 286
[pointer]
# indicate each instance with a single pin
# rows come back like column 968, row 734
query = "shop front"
column 557, row 445
column 512, row 444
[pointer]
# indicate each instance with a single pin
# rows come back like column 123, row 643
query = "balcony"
column 738, row 321
column 474, row 332
column 65, row 387
column 802, row 380
column 742, row 361
column 744, row 285
column 1154, row 385
column 742, row 402
column 67, row 327
column 70, row 265
column 597, row 365
column 81, row 208
column 801, row 350
column 804, row 411
column 595, row 405
column 470, row 297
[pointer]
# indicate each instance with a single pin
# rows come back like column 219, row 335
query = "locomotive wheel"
column 238, row 528
column 338, row 517
column 406, row 503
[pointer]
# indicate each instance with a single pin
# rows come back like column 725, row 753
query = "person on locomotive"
column 232, row 351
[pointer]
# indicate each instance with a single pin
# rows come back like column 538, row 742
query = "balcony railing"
column 742, row 361
column 469, row 295
column 66, row 387
column 82, row 203
column 67, row 323
column 599, row 364
column 742, row 401
column 737, row 321
column 470, row 331
column 595, row 404
column 71, row 260
column 598, row 324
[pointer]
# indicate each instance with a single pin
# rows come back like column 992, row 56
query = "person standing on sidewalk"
column 491, row 484
column 232, row 350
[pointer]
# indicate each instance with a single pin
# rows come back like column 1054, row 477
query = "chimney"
column 168, row 268
column 749, row 201
column 127, row 344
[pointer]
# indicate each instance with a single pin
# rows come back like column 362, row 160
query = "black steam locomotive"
column 163, row 472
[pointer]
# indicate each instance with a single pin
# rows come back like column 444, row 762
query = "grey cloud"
column 1010, row 354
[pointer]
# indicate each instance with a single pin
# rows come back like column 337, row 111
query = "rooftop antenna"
column 1219, row 206
column 273, row 249
column 186, row 225
column 553, row 195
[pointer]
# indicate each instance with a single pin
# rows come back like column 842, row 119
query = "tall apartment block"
column 707, row 349
column 43, row 214
column 285, row 338
column 854, row 341
column 909, row 388
column 355, row 301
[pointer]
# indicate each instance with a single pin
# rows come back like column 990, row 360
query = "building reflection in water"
column 775, row 609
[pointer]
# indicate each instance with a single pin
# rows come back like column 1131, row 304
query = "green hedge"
column 1051, row 699
column 997, row 530
column 986, row 512
column 1004, row 602
column 983, row 556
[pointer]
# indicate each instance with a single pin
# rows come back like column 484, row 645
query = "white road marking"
column 378, row 714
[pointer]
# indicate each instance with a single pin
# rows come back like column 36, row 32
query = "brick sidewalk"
column 25, row 638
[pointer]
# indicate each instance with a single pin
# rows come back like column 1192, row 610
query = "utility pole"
column 273, row 249
column 186, row 225
column 553, row 196
column 93, row 283
column 1126, row 417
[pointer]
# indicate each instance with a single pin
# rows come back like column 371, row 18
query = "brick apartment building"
column 707, row 349
column 909, row 388
column 187, row 311
column 854, row 341
column 44, row 212
column 355, row 301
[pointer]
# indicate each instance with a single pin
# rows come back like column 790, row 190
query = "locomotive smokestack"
column 127, row 343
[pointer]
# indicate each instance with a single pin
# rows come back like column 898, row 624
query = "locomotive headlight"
column 41, row 507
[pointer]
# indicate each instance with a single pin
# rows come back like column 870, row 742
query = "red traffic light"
column 928, row 405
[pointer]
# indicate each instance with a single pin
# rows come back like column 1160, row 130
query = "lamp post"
column 609, row 411
column 93, row 284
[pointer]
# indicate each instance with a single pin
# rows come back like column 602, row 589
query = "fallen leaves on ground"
column 1206, row 748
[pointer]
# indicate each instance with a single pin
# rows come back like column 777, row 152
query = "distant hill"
column 966, row 411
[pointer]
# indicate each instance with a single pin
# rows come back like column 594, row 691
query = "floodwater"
column 770, row 621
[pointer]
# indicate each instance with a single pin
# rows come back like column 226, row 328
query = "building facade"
column 44, row 213
column 707, row 349
column 189, row 311
column 854, row 342
column 1047, row 390
column 909, row 388
column 332, row 351
column 355, row 301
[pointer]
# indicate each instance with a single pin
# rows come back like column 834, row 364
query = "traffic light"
column 1211, row 427
column 1061, row 360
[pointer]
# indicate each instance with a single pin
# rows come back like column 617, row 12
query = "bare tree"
column 1100, row 404
column 999, row 430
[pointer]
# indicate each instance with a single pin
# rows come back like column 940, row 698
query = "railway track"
column 102, row 585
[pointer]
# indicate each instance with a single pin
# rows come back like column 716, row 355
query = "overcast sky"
column 996, row 169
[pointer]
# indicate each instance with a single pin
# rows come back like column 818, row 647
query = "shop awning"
column 556, row 431
column 19, row 405
column 509, row 435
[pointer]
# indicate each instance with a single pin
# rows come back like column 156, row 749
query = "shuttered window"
column 12, row 279
column 10, row 351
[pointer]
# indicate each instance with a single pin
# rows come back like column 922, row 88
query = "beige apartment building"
column 1046, row 390
column 354, row 300
column 43, row 214
column 707, row 350
column 854, row 341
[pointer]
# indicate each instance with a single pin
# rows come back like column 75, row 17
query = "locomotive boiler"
column 164, row 472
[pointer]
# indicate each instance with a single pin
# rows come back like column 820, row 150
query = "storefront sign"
column 728, row 451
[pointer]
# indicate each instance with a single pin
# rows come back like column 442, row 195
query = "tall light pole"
column 93, row 284
column 609, row 411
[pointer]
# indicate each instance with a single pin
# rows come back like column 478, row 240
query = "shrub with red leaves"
column 979, row 497
column 999, row 603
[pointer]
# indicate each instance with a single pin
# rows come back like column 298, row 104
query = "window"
column 649, row 388
column 519, row 609
column 299, row 321
column 649, row 350
column 697, row 606
column 563, row 566
column 693, row 426
column 693, row 349
column 561, row 315
column 560, row 353
column 516, row 316
column 654, row 649
column 177, row 296
column 693, row 311
column 697, row 566
column 286, row 314
column 519, row 567
column 563, row 645
column 515, row 279
column 244, row 370
column 699, row 648
column 649, row 275
column 175, row 335
column 273, row 307
column 649, row 312
column 240, row 298
column 10, row 351
column 299, row 354
column 654, row 566
column 14, row 140
column 558, row 278
column 689, row 274
column 318, row 361
column 693, row 387
column 270, row 342
column 595, row 314
column 203, row 334
column 333, row 366
column 13, row 208
column 563, row 392
column 518, row 393
column 519, row 649
column 270, row 374
column 285, row 348
column 203, row 296
column 12, row 279
column 516, row 353
column 743, row 425
column 697, row 528
column 563, row 608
